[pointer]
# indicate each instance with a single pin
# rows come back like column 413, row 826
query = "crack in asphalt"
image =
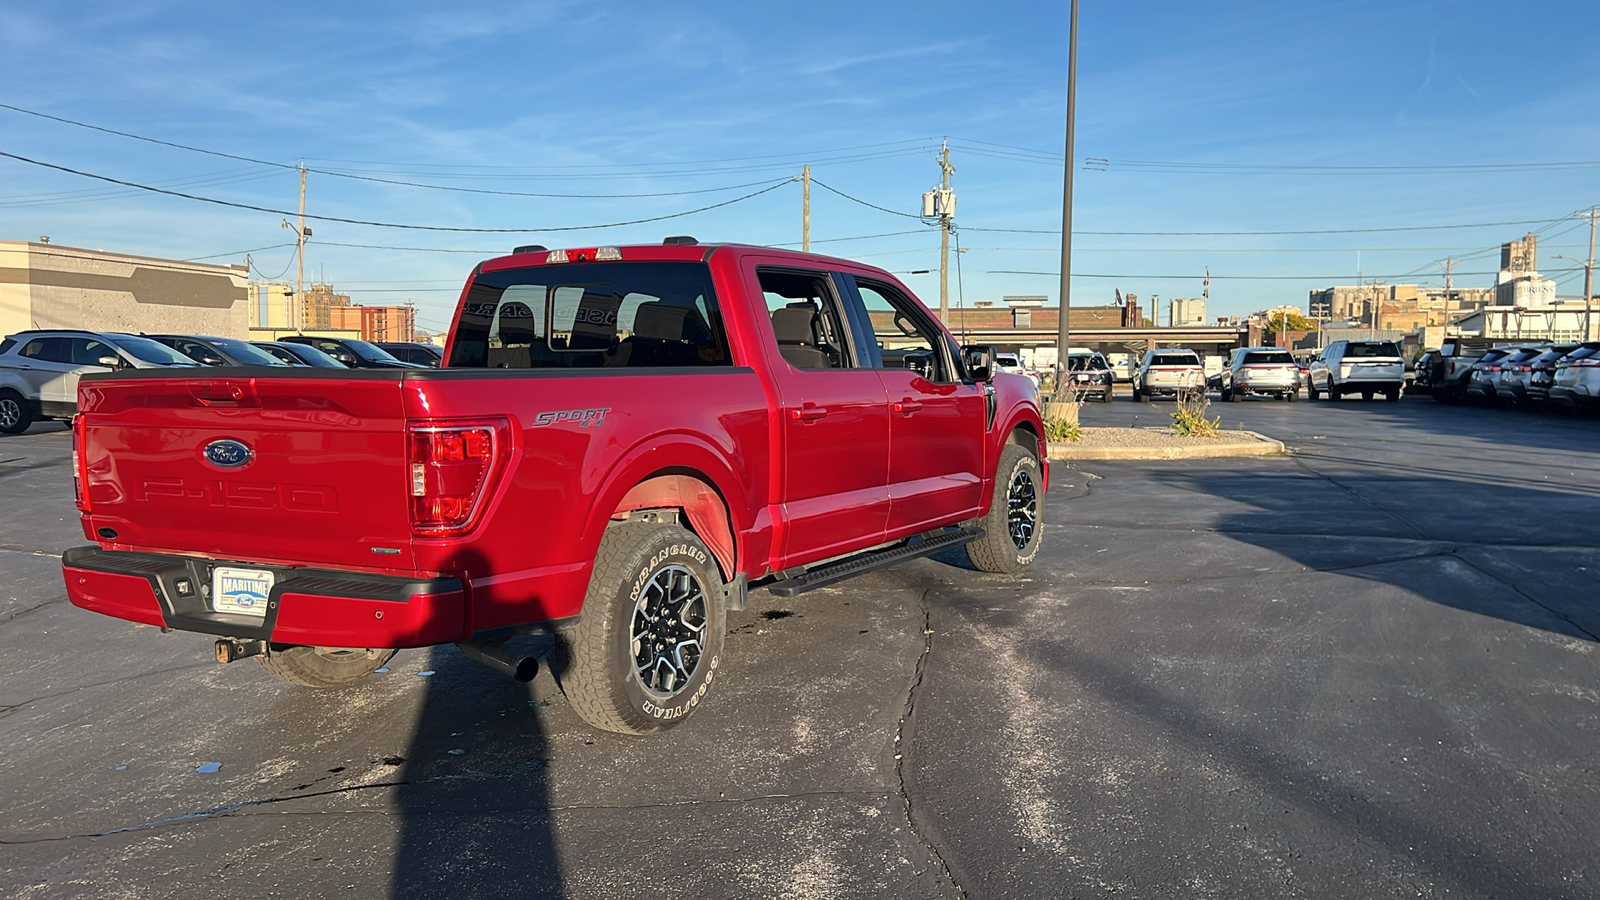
column 33, row 551
column 1360, row 498
column 97, row 684
column 1456, row 553
column 228, row 809
column 905, row 733
column 8, row 619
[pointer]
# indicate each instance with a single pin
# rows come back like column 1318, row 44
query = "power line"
column 283, row 212
column 1262, row 233
column 1216, row 277
column 495, row 252
column 235, row 253
column 859, row 237
column 863, row 202
column 336, row 173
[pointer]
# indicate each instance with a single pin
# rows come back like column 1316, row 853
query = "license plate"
column 1080, row 378
column 241, row 591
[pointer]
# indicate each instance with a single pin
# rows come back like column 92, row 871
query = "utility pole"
column 300, row 242
column 296, row 319
column 946, row 212
column 1588, row 271
column 1064, row 325
column 805, row 216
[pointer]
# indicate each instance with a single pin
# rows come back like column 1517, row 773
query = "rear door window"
column 807, row 319
column 50, row 349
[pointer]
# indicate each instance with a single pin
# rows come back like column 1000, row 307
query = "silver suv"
column 39, row 370
column 1261, row 370
column 1358, row 367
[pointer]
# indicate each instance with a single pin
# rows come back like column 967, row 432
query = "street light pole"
column 1588, row 280
column 1064, row 325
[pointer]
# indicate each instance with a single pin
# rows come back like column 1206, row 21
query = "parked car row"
column 39, row 369
column 1533, row 374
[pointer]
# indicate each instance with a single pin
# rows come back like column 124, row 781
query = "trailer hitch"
column 229, row 649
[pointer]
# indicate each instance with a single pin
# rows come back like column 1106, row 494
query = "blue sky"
column 623, row 98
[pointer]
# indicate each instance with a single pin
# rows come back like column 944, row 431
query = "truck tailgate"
column 278, row 468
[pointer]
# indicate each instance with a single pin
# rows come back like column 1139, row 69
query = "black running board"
column 922, row 545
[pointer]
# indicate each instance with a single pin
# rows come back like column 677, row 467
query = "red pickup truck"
column 622, row 442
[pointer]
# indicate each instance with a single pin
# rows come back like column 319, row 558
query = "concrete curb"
column 1201, row 448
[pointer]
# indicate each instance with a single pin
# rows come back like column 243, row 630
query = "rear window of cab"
column 591, row 315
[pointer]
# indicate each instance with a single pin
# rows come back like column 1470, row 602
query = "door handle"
column 808, row 413
column 907, row 406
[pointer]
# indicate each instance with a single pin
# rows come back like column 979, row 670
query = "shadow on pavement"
column 1529, row 555
column 474, row 802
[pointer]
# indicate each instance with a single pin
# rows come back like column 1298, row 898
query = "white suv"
column 1357, row 367
column 39, row 370
column 1174, row 372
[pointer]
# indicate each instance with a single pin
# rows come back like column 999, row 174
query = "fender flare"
column 676, row 471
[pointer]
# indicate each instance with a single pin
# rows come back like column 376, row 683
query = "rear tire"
column 1106, row 397
column 1392, row 394
column 1311, row 391
column 647, row 647
column 322, row 667
column 14, row 415
column 1141, row 396
column 1291, row 396
column 1014, row 524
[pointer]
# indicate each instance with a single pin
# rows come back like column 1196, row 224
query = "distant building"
column 322, row 310
column 1520, row 256
column 45, row 285
column 1388, row 306
column 1186, row 312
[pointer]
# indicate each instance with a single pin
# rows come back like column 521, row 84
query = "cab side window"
column 913, row 342
column 806, row 319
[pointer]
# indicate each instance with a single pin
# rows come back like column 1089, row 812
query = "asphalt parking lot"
column 1366, row 669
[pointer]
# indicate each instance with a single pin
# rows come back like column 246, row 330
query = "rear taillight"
column 1586, row 363
column 79, row 495
column 452, row 464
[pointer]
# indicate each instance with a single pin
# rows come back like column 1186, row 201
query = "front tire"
column 647, row 648
column 14, row 415
column 1015, row 521
column 322, row 667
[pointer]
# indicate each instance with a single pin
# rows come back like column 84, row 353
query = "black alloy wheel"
column 669, row 624
column 1022, row 509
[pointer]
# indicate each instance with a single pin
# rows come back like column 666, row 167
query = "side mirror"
column 212, row 360
column 979, row 360
column 110, row 362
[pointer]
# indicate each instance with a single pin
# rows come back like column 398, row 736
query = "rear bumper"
column 1571, row 396
column 317, row 607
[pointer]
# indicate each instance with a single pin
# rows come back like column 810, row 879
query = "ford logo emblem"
column 228, row 453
